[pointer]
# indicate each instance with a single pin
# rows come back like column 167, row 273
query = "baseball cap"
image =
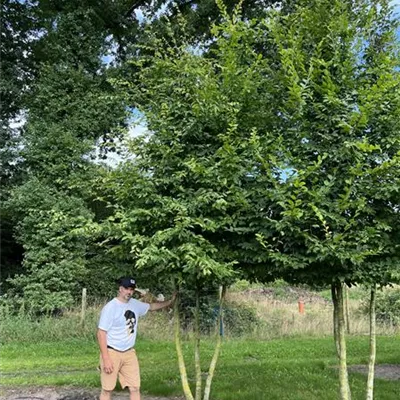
column 126, row 282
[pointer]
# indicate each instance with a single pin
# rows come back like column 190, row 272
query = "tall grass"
column 24, row 327
column 277, row 318
column 281, row 318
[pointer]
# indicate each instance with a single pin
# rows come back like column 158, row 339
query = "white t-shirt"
column 120, row 321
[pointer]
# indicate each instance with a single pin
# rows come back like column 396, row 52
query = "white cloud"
column 137, row 130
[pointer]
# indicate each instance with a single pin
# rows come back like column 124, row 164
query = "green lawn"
column 284, row 369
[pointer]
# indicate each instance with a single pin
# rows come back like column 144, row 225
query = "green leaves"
column 272, row 150
column 333, row 208
column 54, row 261
column 200, row 159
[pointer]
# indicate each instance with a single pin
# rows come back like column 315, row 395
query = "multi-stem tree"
column 179, row 201
column 339, row 199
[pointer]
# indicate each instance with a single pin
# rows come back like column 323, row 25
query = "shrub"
column 239, row 318
column 387, row 306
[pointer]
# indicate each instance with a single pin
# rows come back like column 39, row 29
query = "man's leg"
column 105, row 394
column 129, row 374
column 108, row 381
column 134, row 393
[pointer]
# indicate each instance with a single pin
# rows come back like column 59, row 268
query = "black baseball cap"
column 126, row 282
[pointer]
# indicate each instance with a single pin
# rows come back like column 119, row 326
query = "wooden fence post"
column 83, row 309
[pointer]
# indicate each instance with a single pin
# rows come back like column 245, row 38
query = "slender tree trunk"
column 346, row 291
column 335, row 319
column 197, row 347
column 343, row 374
column 372, row 344
column 207, row 389
column 84, row 305
column 181, row 362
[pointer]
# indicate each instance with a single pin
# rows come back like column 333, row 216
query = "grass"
column 287, row 356
column 278, row 319
column 281, row 318
column 284, row 369
column 277, row 314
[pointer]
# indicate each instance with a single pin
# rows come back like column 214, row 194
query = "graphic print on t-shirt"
column 130, row 321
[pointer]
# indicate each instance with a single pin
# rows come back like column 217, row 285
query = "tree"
column 338, row 219
column 201, row 16
column 71, row 108
column 178, row 201
column 17, row 41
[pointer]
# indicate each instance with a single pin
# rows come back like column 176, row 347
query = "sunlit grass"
column 293, row 369
column 286, row 356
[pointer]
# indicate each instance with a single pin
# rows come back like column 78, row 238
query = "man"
column 116, row 335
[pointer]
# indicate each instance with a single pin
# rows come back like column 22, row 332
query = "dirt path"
column 64, row 393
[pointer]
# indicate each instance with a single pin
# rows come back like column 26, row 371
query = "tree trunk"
column 84, row 305
column 181, row 362
column 372, row 344
column 345, row 393
column 335, row 319
column 197, row 347
column 346, row 291
column 207, row 389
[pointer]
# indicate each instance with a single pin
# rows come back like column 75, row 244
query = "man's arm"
column 107, row 363
column 162, row 304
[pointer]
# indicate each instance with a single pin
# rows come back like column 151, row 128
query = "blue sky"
column 396, row 5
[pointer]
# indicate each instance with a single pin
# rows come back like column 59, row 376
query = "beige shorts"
column 126, row 369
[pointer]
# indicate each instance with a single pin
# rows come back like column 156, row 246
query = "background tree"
column 201, row 16
column 17, row 38
column 71, row 108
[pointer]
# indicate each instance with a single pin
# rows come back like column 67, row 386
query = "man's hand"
column 163, row 304
column 108, row 365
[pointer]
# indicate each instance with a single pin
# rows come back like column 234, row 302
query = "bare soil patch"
column 382, row 371
column 64, row 393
